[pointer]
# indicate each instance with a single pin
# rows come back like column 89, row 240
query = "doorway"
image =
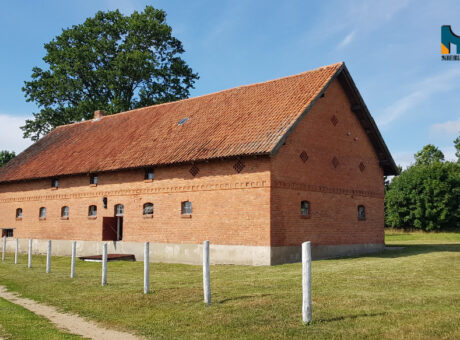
column 119, row 212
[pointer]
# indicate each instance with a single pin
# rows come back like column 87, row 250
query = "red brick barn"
column 256, row 170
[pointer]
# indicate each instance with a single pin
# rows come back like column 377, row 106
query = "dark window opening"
column 186, row 208
column 119, row 210
column 305, row 208
column 42, row 213
column 361, row 212
column 104, row 202
column 7, row 232
column 93, row 179
column 149, row 174
column 148, row 209
column 55, row 183
column 19, row 213
column 92, row 211
column 65, row 212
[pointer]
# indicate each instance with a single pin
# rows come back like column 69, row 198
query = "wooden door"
column 109, row 229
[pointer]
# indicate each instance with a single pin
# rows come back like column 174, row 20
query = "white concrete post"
column 146, row 268
column 104, row 264
column 306, row 282
column 48, row 257
column 16, row 252
column 206, row 274
column 4, row 248
column 74, row 255
column 29, row 259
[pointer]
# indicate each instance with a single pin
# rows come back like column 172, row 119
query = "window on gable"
column 149, row 173
column 42, row 213
column 148, row 209
column 19, row 213
column 361, row 212
column 305, row 208
column 186, row 208
column 65, row 212
column 92, row 211
column 93, row 179
column 55, row 183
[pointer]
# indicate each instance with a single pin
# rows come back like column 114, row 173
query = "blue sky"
column 392, row 49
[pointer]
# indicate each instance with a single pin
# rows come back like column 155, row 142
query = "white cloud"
column 11, row 135
column 450, row 128
column 421, row 92
column 347, row 40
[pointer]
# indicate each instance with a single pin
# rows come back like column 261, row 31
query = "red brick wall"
column 333, row 193
column 259, row 206
column 228, row 208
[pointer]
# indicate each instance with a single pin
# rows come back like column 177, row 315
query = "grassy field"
column 19, row 323
column 409, row 293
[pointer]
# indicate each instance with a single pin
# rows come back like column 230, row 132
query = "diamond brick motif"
column 239, row 166
column 194, row 170
column 334, row 120
column 362, row 166
column 304, row 156
column 335, row 162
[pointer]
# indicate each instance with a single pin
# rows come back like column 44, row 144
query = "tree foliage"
column 6, row 156
column 426, row 195
column 457, row 148
column 428, row 155
column 110, row 62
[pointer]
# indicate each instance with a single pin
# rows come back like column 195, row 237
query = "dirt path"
column 73, row 323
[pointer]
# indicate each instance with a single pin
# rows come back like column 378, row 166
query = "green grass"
column 414, row 237
column 408, row 293
column 19, row 323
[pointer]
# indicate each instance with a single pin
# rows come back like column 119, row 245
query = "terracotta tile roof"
column 247, row 120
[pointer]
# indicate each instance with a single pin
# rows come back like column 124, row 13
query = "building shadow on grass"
column 243, row 297
column 347, row 317
column 402, row 250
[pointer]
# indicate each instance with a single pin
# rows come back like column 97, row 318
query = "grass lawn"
column 19, row 323
column 408, row 293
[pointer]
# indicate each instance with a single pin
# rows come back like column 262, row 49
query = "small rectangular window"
column 305, row 208
column 7, row 232
column 186, row 208
column 93, row 180
column 65, row 212
column 149, row 174
column 19, row 213
column 55, row 183
column 148, row 209
column 42, row 213
column 361, row 212
column 92, row 211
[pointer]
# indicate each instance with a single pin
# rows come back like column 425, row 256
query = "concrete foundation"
column 192, row 253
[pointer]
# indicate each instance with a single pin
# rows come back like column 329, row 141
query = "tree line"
column 426, row 195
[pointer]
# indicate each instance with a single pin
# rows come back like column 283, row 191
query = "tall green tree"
column 110, row 62
column 428, row 155
column 457, row 148
column 426, row 195
column 6, row 156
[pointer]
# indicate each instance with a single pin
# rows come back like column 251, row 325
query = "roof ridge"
column 340, row 63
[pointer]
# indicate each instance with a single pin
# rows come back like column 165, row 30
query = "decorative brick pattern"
column 335, row 162
column 304, row 156
column 334, row 120
column 239, row 166
column 194, row 170
column 362, row 167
